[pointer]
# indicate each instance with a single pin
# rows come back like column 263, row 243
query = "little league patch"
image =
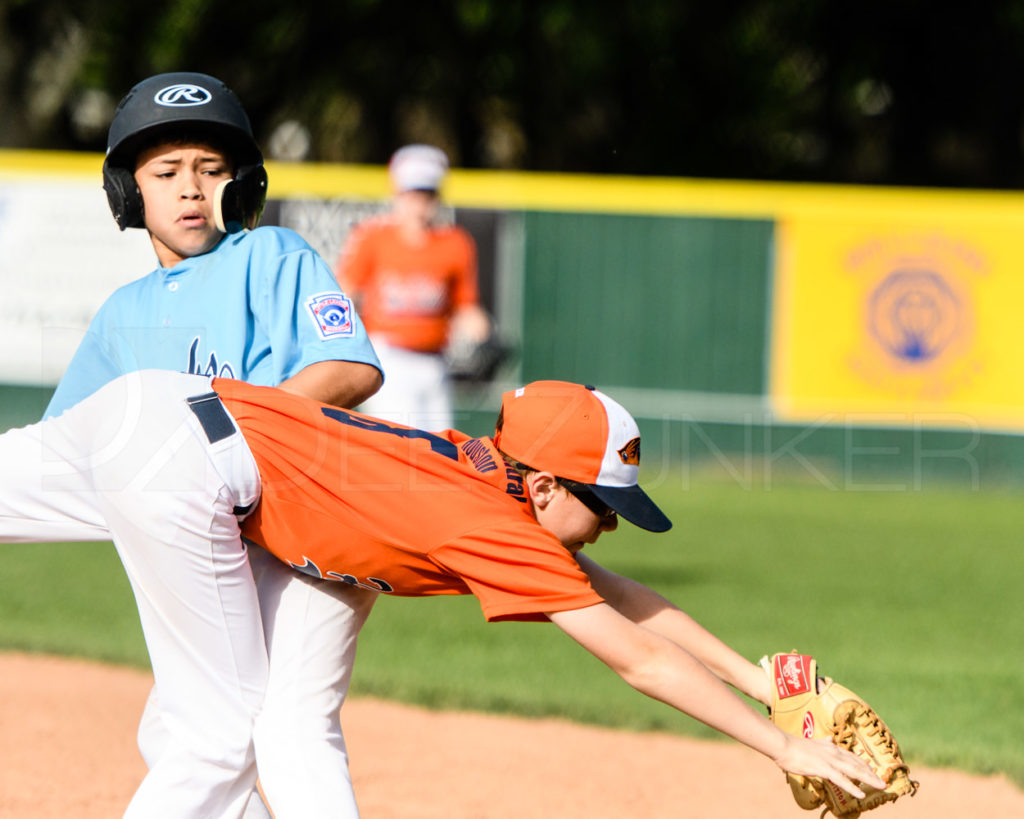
column 332, row 314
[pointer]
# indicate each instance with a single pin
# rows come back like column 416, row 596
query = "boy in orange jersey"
column 358, row 500
column 414, row 281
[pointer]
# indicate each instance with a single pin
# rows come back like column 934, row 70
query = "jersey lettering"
column 307, row 567
column 371, row 583
column 413, row 294
column 437, row 444
column 479, row 455
column 224, row 370
column 514, row 484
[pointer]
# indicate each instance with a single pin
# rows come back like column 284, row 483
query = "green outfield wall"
column 22, row 405
column 662, row 303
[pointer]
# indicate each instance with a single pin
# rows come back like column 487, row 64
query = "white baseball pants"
column 416, row 391
column 311, row 628
column 134, row 463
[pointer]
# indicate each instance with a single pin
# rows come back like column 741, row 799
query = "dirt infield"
column 67, row 749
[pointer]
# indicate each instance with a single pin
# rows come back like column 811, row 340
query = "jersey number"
column 437, row 444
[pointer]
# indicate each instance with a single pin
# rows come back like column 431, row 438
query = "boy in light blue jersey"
column 261, row 306
column 255, row 304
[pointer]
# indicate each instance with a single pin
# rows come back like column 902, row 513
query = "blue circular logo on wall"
column 914, row 315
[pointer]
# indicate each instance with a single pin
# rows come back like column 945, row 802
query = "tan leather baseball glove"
column 804, row 704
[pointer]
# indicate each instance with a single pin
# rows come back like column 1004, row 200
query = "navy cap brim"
column 632, row 503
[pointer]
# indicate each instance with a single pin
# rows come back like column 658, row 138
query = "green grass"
column 908, row 598
column 71, row 599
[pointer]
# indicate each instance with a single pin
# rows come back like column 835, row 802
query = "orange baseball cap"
column 579, row 433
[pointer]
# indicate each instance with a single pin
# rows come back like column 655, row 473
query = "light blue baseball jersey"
column 259, row 307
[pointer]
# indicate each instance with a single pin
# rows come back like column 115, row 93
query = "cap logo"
column 181, row 95
column 630, row 453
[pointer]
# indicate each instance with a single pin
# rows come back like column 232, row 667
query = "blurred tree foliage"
column 881, row 91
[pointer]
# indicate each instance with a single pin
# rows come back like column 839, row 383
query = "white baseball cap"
column 418, row 168
column 579, row 433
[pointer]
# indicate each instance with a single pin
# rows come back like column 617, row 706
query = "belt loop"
column 213, row 418
column 217, row 424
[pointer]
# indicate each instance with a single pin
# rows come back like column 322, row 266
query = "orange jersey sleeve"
column 357, row 500
column 407, row 293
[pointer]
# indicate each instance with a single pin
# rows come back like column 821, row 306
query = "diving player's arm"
column 661, row 669
column 649, row 609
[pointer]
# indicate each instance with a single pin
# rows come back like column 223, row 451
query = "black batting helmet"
column 176, row 102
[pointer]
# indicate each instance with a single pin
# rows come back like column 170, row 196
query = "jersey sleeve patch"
column 331, row 314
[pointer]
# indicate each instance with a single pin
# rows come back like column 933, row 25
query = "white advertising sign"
column 61, row 256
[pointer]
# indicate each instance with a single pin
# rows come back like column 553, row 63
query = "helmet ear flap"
column 238, row 203
column 123, row 196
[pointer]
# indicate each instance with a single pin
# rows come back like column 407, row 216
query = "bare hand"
column 471, row 323
column 819, row 757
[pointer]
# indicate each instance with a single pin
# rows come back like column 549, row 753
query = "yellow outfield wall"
column 888, row 307
column 509, row 190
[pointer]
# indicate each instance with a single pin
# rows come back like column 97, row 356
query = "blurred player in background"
column 414, row 281
column 255, row 304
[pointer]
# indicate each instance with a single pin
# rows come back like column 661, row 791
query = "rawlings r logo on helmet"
column 630, row 453
column 182, row 94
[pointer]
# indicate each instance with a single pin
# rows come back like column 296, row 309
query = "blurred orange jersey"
column 407, row 293
column 352, row 498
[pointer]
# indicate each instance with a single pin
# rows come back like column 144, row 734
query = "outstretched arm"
column 643, row 606
column 661, row 669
